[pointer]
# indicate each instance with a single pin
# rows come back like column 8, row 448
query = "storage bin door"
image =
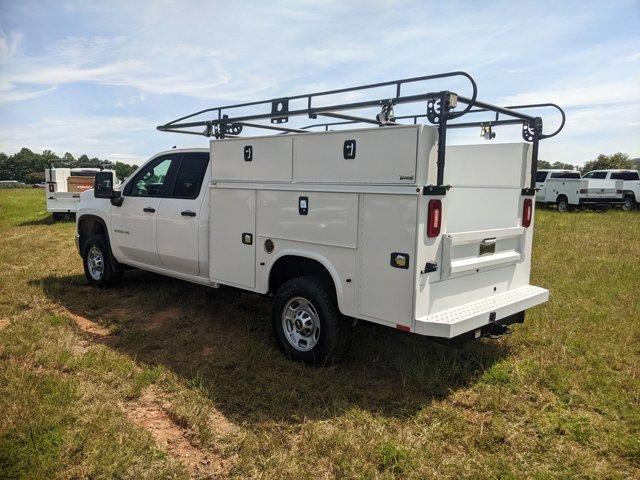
column 232, row 254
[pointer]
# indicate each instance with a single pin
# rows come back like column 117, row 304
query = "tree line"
column 601, row 162
column 28, row 167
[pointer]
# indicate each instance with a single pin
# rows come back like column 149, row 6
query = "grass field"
column 163, row 379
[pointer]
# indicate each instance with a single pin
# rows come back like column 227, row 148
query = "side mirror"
column 103, row 185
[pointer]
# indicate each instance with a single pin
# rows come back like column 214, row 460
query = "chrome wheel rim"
column 95, row 263
column 301, row 324
column 562, row 207
column 626, row 206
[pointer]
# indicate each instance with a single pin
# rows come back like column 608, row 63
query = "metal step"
column 456, row 321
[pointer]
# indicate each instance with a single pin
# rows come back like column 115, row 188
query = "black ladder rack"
column 440, row 110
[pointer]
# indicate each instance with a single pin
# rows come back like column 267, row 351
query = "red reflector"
column 434, row 218
column 404, row 328
column 527, row 212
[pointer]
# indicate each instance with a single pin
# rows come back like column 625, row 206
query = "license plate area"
column 487, row 246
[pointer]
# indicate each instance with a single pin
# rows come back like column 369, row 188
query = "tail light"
column 527, row 212
column 434, row 218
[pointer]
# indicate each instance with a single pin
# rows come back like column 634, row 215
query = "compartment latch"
column 429, row 267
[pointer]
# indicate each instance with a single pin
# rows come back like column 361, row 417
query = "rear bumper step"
column 465, row 318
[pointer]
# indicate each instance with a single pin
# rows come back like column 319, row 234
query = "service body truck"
column 363, row 223
column 627, row 181
column 63, row 188
column 567, row 189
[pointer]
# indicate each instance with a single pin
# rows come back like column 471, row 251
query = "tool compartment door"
column 232, row 254
column 388, row 229
column 252, row 159
column 371, row 156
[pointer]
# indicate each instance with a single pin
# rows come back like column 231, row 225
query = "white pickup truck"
column 567, row 189
column 63, row 187
column 339, row 225
column 630, row 184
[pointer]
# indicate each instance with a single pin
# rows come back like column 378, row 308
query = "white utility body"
column 64, row 185
column 567, row 189
column 627, row 183
column 365, row 218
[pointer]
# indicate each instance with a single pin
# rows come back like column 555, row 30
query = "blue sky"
column 97, row 77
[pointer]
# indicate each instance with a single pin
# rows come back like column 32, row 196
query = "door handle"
column 149, row 209
column 188, row 213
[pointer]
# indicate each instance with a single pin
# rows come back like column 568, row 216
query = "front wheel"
column 98, row 267
column 307, row 323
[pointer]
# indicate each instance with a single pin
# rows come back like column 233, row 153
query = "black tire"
column 334, row 331
column 628, row 204
column 94, row 251
column 563, row 204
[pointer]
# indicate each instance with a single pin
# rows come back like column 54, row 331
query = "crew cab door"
column 541, row 185
column 179, row 215
column 133, row 224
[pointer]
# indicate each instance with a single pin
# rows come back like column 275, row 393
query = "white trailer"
column 363, row 224
column 64, row 186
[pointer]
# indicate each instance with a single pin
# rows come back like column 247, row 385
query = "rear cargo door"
column 483, row 237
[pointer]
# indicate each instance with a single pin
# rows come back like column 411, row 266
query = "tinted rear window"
column 600, row 175
column 190, row 175
column 625, row 176
column 565, row 175
column 540, row 176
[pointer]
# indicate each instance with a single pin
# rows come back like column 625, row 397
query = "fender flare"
column 335, row 276
column 96, row 218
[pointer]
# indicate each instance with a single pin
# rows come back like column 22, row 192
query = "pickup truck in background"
column 64, row 186
column 630, row 184
column 567, row 190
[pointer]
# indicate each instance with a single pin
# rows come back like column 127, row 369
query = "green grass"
column 558, row 398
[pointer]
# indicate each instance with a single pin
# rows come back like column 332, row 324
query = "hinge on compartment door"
column 429, row 267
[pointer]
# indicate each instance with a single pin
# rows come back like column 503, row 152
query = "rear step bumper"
column 465, row 318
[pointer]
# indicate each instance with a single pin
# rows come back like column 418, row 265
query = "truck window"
column 625, row 176
column 565, row 175
column 541, row 176
column 190, row 175
column 149, row 182
column 598, row 175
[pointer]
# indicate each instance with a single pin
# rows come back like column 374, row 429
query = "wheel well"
column 561, row 197
column 291, row 266
column 88, row 226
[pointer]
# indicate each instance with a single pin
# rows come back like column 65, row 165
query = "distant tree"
column 563, row 166
column 68, row 159
column 603, row 162
column 124, row 170
column 83, row 159
column 34, row 177
column 543, row 164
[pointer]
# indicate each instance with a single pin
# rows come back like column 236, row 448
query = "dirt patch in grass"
column 161, row 319
column 148, row 412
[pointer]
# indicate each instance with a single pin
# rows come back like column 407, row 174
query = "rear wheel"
column 628, row 204
column 563, row 204
column 307, row 323
column 98, row 267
